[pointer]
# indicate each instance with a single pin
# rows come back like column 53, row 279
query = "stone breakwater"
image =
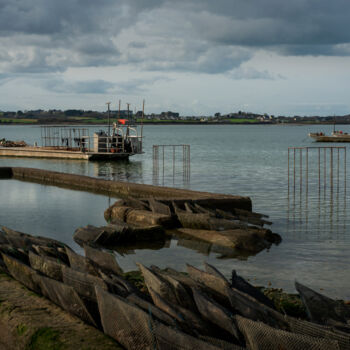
column 199, row 309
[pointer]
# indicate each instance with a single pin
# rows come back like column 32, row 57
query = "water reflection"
column 206, row 249
column 175, row 240
column 123, row 170
column 130, row 249
column 317, row 192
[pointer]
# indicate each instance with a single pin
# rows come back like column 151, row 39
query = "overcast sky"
column 196, row 57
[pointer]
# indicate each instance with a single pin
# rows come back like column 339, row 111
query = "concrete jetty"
column 122, row 189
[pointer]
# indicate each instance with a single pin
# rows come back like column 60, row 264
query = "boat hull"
column 325, row 138
column 39, row 152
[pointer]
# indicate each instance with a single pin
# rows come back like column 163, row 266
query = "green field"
column 22, row 121
column 240, row 121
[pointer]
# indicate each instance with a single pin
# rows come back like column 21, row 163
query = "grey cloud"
column 129, row 87
column 137, row 86
column 212, row 61
column 137, row 45
column 252, row 73
column 79, row 87
column 182, row 35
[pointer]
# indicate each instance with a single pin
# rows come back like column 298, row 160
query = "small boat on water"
column 336, row 136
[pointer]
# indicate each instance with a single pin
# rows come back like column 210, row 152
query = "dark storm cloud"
column 206, row 36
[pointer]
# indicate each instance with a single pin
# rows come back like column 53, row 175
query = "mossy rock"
column 285, row 303
column 45, row 339
column 136, row 278
column 21, row 329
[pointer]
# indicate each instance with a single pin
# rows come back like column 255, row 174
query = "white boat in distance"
column 336, row 136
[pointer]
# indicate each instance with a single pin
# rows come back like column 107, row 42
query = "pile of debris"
column 134, row 219
column 9, row 143
column 197, row 310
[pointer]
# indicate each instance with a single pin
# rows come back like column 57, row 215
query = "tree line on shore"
column 77, row 116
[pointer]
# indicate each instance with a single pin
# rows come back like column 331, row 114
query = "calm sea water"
column 245, row 160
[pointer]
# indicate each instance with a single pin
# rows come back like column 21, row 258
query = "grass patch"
column 285, row 303
column 136, row 278
column 21, row 329
column 11, row 120
column 45, row 339
column 242, row 120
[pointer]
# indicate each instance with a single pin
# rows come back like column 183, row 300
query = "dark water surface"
column 244, row 160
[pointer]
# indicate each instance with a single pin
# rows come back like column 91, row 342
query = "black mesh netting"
column 83, row 283
column 103, row 259
column 319, row 331
column 259, row 336
column 48, row 266
column 21, row 272
column 64, row 296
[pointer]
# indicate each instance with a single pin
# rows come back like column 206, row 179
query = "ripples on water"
column 244, row 160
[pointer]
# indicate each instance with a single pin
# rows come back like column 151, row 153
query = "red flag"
column 122, row 121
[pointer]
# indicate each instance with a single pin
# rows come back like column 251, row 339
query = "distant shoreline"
column 166, row 123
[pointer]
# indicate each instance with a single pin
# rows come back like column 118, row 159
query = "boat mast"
column 109, row 127
column 127, row 129
column 109, row 115
column 143, row 114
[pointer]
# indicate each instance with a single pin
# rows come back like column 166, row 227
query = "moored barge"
column 119, row 142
